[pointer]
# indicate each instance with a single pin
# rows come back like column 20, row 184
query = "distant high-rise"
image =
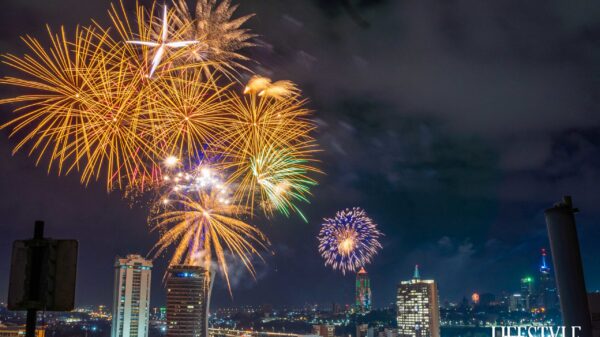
column 527, row 292
column 418, row 310
column 188, row 296
column 363, row 291
column 362, row 330
column 324, row 330
column 546, row 291
column 516, row 303
column 131, row 302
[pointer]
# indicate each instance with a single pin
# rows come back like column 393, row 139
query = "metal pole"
column 34, row 285
column 568, row 269
column 31, row 321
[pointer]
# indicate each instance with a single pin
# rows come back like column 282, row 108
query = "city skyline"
column 452, row 177
column 362, row 287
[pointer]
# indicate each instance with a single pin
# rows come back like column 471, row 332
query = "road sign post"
column 34, row 280
column 42, row 276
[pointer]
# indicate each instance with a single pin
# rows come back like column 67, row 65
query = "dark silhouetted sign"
column 42, row 275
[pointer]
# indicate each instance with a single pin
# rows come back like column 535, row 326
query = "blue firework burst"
column 349, row 240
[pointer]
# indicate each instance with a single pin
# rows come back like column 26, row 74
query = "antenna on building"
column 417, row 276
column 544, row 268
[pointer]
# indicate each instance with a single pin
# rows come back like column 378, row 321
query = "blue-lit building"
column 547, row 297
column 188, row 296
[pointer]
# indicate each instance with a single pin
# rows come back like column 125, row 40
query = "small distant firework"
column 349, row 240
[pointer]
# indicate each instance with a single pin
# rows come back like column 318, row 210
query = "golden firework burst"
column 268, row 146
column 204, row 228
column 187, row 112
column 221, row 36
column 83, row 112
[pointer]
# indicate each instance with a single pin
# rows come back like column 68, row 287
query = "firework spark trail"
column 349, row 240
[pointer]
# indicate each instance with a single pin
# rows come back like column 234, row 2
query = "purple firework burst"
column 349, row 240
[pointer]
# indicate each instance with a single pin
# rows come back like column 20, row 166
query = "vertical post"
column 34, row 282
column 31, row 322
column 568, row 269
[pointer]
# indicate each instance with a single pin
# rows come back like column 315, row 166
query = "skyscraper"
column 527, row 293
column 188, row 296
column 546, row 291
column 418, row 310
column 363, row 291
column 131, row 302
column 516, row 303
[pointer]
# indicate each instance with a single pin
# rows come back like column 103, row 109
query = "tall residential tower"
column 363, row 291
column 418, row 310
column 131, row 302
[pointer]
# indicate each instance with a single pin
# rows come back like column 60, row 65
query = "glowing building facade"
column 363, row 291
column 188, row 296
column 131, row 301
column 418, row 310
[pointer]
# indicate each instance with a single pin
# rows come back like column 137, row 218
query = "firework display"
column 349, row 240
column 142, row 103
column 196, row 215
column 268, row 143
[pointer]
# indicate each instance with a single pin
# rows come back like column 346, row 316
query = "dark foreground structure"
column 188, row 296
column 568, row 269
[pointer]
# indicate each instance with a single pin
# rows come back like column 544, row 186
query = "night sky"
column 453, row 123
